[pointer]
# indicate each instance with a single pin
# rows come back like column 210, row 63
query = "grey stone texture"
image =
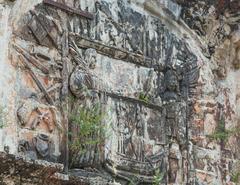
column 158, row 72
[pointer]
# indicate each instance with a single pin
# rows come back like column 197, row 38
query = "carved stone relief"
column 82, row 81
column 33, row 115
column 138, row 140
column 24, row 148
column 140, row 73
column 41, row 143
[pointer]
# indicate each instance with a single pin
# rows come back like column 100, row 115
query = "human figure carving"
column 82, row 80
column 171, row 84
column 83, row 85
column 33, row 114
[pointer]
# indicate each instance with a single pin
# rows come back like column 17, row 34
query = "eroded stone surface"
column 165, row 81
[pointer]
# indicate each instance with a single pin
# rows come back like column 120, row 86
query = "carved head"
column 90, row 58
column 97, row 5
column 171, row 81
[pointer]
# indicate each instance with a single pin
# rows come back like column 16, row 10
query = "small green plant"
column 143, row 97
column 90, row 130
column 235, row 177
column 221, row 133
column 235, row 172
column 158, row 177
column 2, row 117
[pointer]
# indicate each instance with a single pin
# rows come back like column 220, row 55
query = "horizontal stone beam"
column 127, row 175
column 134, row 100
column 172, row 7
column 68, row 9
column 114, row 52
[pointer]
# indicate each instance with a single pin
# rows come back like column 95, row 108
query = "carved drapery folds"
column 129, row 63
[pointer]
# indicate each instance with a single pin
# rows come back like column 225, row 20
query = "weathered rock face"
column 121, row 92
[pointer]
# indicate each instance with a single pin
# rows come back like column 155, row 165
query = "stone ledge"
column 25, row 167
column 18, row 169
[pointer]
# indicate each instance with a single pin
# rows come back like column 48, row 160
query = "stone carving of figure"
column 83, row 85
column 130, row 131
column 33, row 115
column 41, row 143
column 152, row 40
column 174, row 162
column 138, row 136
column 171, row 85
column 100, row 22
column 82, row 81
column 121, row 129
column 176, row 119
column 24, row 149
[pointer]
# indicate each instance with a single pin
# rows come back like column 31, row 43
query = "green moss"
column 220, row 133
column 143, row 97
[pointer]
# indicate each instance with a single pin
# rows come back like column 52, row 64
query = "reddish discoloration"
column 43, row 119
column 149, row 149
column 199, row 123
column 197, row 108
column 29, row 82
column 228, row 108
column 46, row 80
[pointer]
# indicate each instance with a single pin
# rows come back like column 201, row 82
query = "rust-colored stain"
column 28, row 136
column 46, row 80
column 197, row 108
column 199, row 123
column 221, row 6
column 41, row 119
column 149, row 149
column 27, row 79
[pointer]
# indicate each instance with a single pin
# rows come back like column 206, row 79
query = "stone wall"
column 120, row 92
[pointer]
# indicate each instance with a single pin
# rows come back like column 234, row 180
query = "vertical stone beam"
column 64, row 99
column 187, row 167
